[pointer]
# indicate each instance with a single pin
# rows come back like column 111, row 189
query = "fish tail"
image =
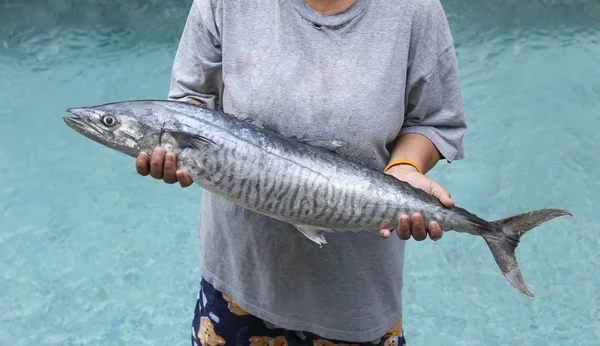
column 503, row 236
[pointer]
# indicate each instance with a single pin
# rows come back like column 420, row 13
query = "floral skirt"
column 220, row 321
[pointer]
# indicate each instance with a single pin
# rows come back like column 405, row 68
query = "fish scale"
column 305, row 183
column 253, row 163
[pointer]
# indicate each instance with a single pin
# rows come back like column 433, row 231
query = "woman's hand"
column 419, row 232
column 162, row 166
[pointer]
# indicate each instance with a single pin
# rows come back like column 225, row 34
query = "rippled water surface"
column 90, row 253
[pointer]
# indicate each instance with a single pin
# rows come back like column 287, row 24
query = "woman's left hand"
column 419, row 232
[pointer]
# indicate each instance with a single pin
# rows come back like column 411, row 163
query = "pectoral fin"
column 191, row 140
column 314, row 234
column 326, row 144
column 329, row 144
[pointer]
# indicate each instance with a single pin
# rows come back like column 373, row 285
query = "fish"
column 306, row 182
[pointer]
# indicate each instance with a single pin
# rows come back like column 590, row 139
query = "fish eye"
column 108, row 120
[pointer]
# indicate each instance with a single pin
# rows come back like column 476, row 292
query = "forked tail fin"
column 504, row 237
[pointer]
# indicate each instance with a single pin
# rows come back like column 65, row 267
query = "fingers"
column 169, row 169
column 157, row 163
column 415, row 227
column 141, row 164
column 385, row 233
column 440, row 193
column 403, row 227
column 184, row 179
column 419, row 232
column 435, row 231
column 163, row 166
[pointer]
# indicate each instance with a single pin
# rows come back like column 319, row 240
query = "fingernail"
column 169, row 157
column 142, row 155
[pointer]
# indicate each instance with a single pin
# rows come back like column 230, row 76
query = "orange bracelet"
column 399, row 162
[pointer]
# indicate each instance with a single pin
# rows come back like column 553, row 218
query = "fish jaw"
column 82, row 123
column 86, row 121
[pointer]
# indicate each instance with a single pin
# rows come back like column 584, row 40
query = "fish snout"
column 82, row 122
column 80, row 112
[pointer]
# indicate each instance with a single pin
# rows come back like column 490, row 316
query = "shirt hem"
column 295, row 325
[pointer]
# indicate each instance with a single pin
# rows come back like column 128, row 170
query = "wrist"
column 417, row 149
column 401, row 170
column 403, row 165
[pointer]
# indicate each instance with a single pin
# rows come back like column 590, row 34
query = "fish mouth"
column 80, row 122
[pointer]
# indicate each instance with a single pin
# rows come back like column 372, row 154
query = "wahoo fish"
column 304, row 182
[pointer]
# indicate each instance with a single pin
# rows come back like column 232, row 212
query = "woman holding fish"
column 379, row 76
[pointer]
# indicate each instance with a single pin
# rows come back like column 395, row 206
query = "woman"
column 379, row 75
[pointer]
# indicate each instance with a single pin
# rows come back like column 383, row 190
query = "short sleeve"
column 434, row 106
column 196, row 72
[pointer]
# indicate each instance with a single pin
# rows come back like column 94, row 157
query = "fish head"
column 127, row 129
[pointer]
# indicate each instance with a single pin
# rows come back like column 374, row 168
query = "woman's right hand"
column 162, row 166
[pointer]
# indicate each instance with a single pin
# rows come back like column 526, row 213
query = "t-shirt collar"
column 329, row 20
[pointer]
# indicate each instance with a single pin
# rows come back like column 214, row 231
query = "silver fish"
column 302, row 182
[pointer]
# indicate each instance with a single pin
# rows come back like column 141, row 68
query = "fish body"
column 303, row 182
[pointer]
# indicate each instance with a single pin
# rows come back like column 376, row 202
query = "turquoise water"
column 91, row 253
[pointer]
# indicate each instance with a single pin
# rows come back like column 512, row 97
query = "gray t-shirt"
column 380, row 69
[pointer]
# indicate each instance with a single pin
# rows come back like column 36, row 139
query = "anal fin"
column 314, row 234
